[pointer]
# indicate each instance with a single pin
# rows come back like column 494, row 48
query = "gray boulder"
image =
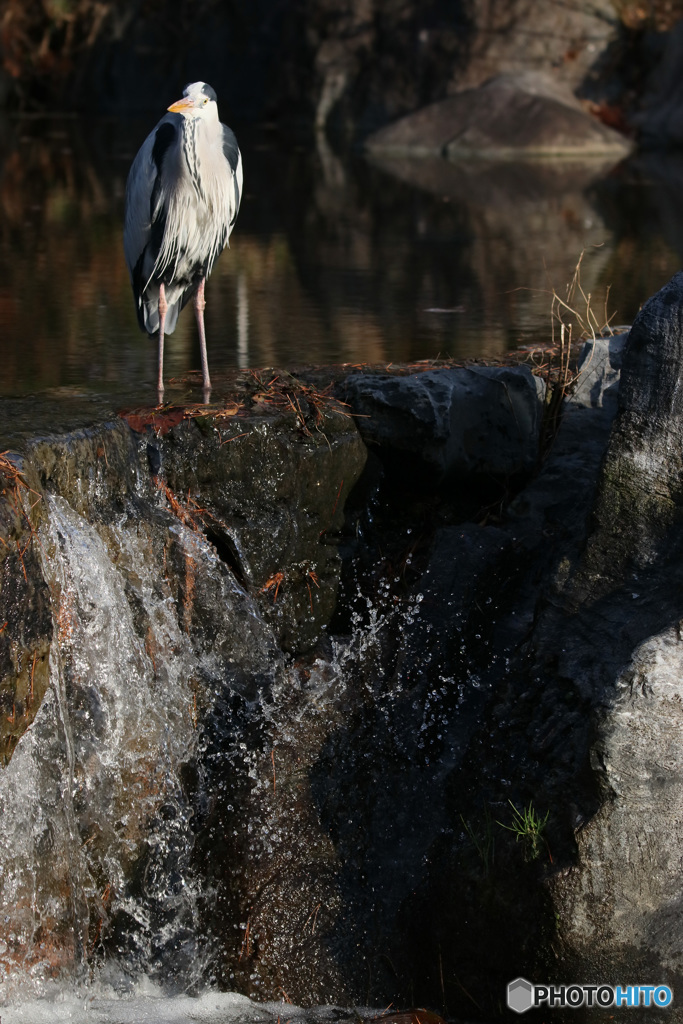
column 623, row 902
column 599, row 375
column 511, row 115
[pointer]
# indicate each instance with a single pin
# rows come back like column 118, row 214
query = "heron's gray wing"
column 232, row 154
column 144, row 215
column 137, row 219
column 231, row 150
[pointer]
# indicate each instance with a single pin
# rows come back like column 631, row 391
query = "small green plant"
column 528, row 827
column 483, row 840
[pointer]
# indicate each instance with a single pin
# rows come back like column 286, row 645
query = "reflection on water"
column 331, row 261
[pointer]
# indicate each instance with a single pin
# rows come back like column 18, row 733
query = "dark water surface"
column 332, row 260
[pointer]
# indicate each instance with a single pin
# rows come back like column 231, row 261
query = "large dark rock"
column 638, row 511
column 466, row 421
column 512, row 115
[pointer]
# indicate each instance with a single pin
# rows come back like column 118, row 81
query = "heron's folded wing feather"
column 231, row 150
column 139, row 188
column 144, row 214
column 233, row 156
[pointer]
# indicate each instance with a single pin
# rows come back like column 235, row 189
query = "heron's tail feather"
column 148, row 315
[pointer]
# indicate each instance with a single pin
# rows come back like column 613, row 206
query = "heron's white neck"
column 198, row 131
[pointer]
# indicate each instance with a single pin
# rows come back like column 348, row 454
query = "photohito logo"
column 522, row 995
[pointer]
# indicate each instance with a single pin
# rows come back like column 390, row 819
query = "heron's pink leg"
column 163, row 306
column 199, row 307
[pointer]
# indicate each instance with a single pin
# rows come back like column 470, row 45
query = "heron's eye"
column 206, row 100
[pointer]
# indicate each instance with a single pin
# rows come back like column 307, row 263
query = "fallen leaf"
column 160, row 420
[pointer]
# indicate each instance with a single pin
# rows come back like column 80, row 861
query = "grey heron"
column 182, row 197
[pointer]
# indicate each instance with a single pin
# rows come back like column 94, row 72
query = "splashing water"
column 147, row 1006
column 101, row 903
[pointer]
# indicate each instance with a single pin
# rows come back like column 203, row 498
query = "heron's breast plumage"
column 197, row 199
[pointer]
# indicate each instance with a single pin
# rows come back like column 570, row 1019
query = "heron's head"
column 199, row 100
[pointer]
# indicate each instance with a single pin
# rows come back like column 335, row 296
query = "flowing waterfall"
column 96, row 824
column 100, row 886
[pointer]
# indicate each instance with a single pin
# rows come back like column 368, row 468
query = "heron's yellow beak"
column 184, row 104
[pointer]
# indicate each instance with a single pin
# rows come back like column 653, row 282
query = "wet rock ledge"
column 378, row 624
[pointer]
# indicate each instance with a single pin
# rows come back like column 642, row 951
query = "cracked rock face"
column 619, row 906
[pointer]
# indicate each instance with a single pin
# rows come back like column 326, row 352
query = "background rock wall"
column 352, row 64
